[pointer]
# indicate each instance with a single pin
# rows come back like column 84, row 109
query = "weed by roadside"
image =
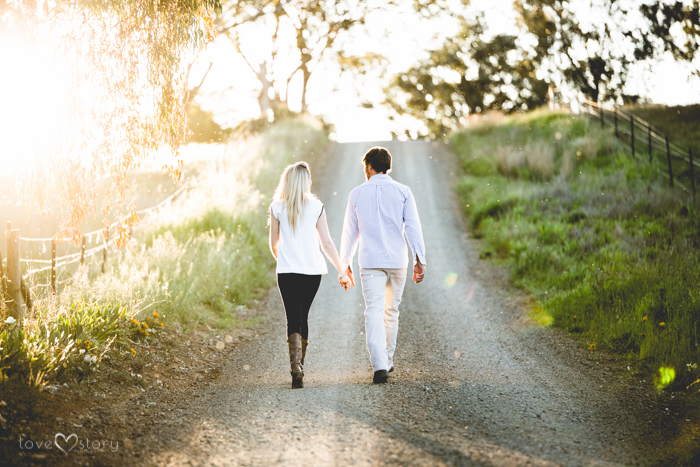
column 609, row 252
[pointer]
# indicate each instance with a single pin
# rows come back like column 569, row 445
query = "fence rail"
column 670, row 160
column 16, row 286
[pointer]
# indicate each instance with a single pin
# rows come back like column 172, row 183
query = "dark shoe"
column 380, row 377
column 391, row 369
column 304, row 345
column 297, row 373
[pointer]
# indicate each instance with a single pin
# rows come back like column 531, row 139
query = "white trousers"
column 382, row 289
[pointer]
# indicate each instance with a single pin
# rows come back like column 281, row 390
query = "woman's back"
column 299, row 250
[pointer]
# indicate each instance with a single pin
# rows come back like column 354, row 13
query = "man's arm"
column 349, row 238
column 414, row 233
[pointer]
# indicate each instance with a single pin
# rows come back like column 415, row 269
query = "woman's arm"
column 274, row 234
column 327, row 242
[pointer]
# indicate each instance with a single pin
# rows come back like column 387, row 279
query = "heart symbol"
column 65, row 441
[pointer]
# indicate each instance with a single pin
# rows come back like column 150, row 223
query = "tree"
column 308, row 31
column 468, row 74
column 586, row 47
column 592, row 57
column 674, row 28
column 127, row 82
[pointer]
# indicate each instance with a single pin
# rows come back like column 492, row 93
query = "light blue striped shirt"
column 379, row 212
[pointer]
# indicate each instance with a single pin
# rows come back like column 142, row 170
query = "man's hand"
column 352, row 278
column 418, row 272
column 348, row 280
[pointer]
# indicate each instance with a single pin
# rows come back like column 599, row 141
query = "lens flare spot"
column 450, row 280
column 540, row 316
column 666, row 377
column 470, row 295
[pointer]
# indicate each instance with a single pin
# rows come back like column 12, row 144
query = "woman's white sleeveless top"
column 299, row 251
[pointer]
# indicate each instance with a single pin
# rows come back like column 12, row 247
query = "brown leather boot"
column 297, row 373
column 304, row 345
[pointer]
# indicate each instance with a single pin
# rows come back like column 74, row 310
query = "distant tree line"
column 585, row 46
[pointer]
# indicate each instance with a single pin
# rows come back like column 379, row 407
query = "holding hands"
column 347, row 279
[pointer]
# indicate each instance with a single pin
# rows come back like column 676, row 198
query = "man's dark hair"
column 379, row 158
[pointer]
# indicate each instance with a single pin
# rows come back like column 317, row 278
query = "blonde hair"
column 294, row 189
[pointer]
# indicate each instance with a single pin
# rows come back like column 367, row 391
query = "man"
column 378, row 213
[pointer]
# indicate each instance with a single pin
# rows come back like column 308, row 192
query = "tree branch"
column 193, row 92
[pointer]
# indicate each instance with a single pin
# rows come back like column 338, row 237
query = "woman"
column 297, row 221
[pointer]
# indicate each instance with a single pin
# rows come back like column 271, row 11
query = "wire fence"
column 676, row 164
column 23, row 274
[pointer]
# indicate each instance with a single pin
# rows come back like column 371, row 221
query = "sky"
column 230, row 88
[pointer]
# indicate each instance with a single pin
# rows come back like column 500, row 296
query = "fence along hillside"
column 676, row 164
column 25, row 278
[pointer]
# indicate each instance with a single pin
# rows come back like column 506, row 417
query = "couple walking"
column 378, row 214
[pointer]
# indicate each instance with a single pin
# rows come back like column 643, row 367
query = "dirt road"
column 475, row 383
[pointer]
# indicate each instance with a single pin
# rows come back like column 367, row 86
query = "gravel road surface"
column 475, row 382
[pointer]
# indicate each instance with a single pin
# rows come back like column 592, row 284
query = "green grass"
column 193, row 263
column 608, row 251
column 682, row 123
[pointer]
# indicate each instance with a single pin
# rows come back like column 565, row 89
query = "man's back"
column 378, row 212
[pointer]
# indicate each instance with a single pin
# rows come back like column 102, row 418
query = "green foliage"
column 675, row 26
column 210, row 264
column 608, row 251
column 63, row 343
column 440, row 91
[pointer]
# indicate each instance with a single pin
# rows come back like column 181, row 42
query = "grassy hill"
column 607, row 249
column 681, row 123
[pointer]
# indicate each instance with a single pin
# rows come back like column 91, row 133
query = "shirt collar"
column 379, row 178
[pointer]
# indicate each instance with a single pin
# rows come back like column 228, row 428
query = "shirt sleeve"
column 350, row 236
column 414, row 233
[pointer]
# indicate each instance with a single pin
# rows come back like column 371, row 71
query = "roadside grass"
column 196, row 262
column 608, row 251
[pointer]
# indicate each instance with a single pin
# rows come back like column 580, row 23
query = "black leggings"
column 298, row 292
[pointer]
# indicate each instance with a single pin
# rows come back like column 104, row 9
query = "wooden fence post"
column 615, row 118
column 14, row 275
column 632, row 132
column 104, row 252
column 82, row 253
column 53, row 265
column 26, row 296
column 692, row 170
column 668, row 156
column 649, row 142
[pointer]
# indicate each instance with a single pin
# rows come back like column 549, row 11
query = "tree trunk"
column 306, row 74
column 264, row 99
